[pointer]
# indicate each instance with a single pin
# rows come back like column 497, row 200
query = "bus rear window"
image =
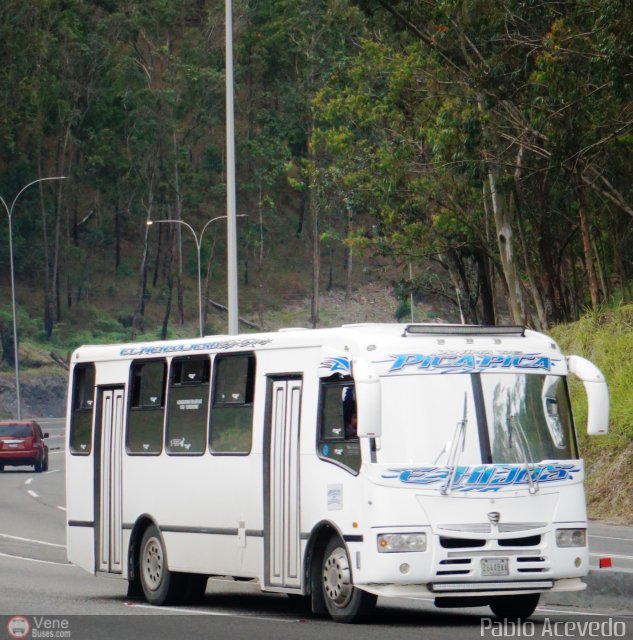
column 82, row 409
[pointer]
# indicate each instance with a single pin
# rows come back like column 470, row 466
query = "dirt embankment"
column 43, row 394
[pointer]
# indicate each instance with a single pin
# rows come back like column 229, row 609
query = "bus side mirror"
column 597, row 394
column 368, row 403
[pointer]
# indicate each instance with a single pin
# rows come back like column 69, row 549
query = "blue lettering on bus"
column 460, row 362
column 483, row 478
column 164, row 349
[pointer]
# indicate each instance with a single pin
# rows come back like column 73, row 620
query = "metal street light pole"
column 9, row 211
column 198, row 240
column 231, row 222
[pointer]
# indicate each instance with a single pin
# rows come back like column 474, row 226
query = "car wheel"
column 160, row 585
column 1, row 467
column 514, row 607
column 45, row 463
column 38, row 466
column 344, row 602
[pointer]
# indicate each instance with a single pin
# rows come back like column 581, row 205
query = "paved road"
column 37, row 582
column 612, row 542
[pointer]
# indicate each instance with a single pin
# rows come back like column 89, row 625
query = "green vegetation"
column 474, row 155
column 606, row 337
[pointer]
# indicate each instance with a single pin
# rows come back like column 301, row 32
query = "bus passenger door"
column 108, row 478
column 282, row 534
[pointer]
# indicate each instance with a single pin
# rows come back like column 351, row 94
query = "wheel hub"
column 153, row 563
column 337, row 579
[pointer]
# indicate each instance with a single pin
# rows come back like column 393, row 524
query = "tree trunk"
column 178, row 216
column 349, row 256
column 170, row 291
column 138, row 321
column 486, row 290
column 48, row 309
column 316, row 241
column 503, row 227
column 58, row 220
column 7, row 344
column 585, row 232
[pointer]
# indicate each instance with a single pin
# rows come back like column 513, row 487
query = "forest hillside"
column 451, row 160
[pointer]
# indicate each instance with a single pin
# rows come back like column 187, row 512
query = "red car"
column 22, row 443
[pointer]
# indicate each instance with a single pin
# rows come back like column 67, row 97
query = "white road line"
column 53, row 471
column 583, row 613
column 47, row 544
column 32, row 493
column 611, row 538
column 226, row 614
column 28, row 481
column 59, row 564
column 52, row 453
column 606, row 554
column 61, row 508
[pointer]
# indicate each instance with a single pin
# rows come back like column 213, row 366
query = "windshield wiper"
column 524, row 449
column 457, row 447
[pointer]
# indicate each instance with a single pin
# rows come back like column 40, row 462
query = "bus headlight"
column 571, row 537
column 399, row 542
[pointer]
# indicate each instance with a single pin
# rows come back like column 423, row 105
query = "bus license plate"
column 494, row 567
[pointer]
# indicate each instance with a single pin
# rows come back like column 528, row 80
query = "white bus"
column 459, row 478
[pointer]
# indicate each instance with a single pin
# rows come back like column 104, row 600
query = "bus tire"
column 345, row 602
column 514, row 608
column 160, row 585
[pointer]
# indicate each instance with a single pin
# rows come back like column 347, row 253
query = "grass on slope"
column 606, row 338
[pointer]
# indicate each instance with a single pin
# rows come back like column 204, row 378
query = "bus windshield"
column 511, row 418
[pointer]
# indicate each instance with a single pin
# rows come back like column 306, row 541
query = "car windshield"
column 15, row 430
column 509, row 419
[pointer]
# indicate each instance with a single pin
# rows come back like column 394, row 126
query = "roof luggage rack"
column 462, row 330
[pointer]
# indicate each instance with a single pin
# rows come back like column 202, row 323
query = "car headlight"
column 400, row 542
column 571, row 537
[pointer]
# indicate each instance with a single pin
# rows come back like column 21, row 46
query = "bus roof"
column 353, row 339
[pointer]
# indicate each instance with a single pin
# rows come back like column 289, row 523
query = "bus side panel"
column 208, row 509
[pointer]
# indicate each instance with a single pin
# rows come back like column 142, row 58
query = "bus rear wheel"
column 160, row 585
column 514, row 607
column 344, row 601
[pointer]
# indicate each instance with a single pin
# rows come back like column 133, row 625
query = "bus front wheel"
column 344, row 602
column 160, row 585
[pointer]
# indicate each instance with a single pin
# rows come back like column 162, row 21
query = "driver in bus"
column 349, row 414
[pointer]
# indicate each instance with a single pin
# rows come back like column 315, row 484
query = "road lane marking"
column 60, row 564
column 56, row 451
column 47, row 544
column 32, row 493
column 583, row 613
column 226, row 614
column 61, row 508
column 611, row 538
column 53, row 471
column 606, row 554
column 28, row 481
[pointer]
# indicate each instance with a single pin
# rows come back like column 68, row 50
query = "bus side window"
column 337, row 442
column 82, row 409
column 147, row 407
column 187, row 405
column 232, row 410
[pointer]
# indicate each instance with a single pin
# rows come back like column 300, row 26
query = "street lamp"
column 198, row 240
column 9, row 211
